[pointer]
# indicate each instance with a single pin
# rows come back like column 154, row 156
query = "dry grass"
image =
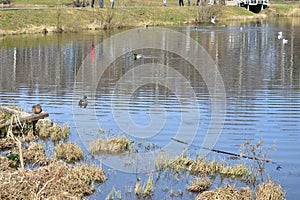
column 201, row 166
column 145, row 191
column 7, row 143
column 6, row 165
column 112, row 146
column 51, row 179
column 235, row 171
column 55, row 181
column 35, row 153
column 69, row 152
column 226, row 193
column 199, row 185
column 47, row 129
column 269, row 190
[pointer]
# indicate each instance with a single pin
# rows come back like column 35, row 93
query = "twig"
column 38, row 194
column 19, row 143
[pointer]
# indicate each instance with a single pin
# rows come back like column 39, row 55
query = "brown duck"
column 37, row 109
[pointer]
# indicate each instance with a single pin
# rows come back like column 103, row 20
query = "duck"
column 284, row 41
column 137, row 56
column 213, row 19
column 83, row 102
column 37, row 109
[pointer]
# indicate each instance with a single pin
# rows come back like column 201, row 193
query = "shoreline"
column 33, row 20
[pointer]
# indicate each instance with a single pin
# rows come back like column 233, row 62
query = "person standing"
column 181, row 3
column 164, row 3
column 112, row 3
column 92, row 3
column 101, row 3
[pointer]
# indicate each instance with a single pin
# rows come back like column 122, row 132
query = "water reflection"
column 260, row 73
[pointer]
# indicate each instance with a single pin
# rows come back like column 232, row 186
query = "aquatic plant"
column 69, row 152
column 235, row 171
column 226, row 193
column 259, row 156
column 145, row 191
column 111, row 145
column 269, row 190
column 199, row 185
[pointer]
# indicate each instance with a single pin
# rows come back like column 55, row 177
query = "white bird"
column 279, row 36
column 241, row 28
column 213, row 19
column 284, row 41
column 137, row 56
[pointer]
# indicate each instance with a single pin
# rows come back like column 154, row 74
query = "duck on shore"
column 37, row 109
column 83, row 102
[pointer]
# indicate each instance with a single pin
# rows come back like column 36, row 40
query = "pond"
column 164, row 95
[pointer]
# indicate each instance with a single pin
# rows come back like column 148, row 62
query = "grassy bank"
column 51, row 16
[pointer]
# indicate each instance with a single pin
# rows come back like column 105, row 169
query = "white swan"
column 284, row 41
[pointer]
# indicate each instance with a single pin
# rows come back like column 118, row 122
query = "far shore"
column 33, row 19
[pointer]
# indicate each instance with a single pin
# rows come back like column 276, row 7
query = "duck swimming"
column 37, row 109
column 83, row 102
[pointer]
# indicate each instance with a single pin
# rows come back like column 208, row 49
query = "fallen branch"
column 230, row 153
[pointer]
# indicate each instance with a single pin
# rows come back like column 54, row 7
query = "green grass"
column 149, row 13
column 42, row 2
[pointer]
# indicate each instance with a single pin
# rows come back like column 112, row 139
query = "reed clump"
column 226, row 193
column 47, row 129
column 146, row 190
column 235, row 171
column 269, row 190
column 54, row 181
column 111, row 146
column 199, row 185
column 35, row 153
column 201, row 166
column 69, row 152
